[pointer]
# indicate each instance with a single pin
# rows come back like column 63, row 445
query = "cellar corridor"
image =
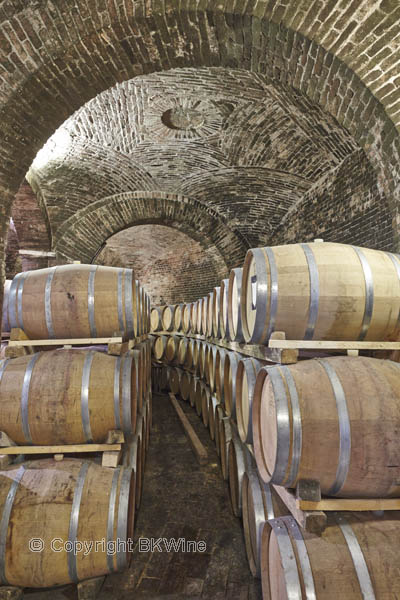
column 181, row 499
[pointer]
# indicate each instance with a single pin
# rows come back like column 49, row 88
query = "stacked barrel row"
column 333, row 420
column 219, row 385
column 104, row 301
column 321, row 291
column 68, row 397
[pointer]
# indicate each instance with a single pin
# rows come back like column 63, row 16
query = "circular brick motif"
column 183, row 118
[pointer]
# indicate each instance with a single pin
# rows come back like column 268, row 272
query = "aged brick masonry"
column 170, row 137
column 238, row 123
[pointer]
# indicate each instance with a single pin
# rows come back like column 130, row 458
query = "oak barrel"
column 321, row 291
column 216, row 323
column 184, row 385
column 5, row 323
column 225, row 436
column 171, row 349
column 199, row 328
column 187, row 318
column 260, row 502
column 74, row 301
column 68, row 396
column 59, row 502
column 183, row 344
column 239, row 461
column 355, row 558
column 219, row 373
column 178, row 317
column 223, row 309
column 205, row 403
column 209, row 318
column 230, row 368
column 347, row 408
column 175, row 375
column 133, row 459
column 160, row 346
column 246, row 375
column 212, row 407
column 168, row 317
column 212, row 360
column 156, row 319
column 204, row 313
column 234, row 306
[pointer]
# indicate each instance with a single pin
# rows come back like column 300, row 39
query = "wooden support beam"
column 351, row 504
column 198, row 448
column 331, row 345
column 272, row 355
column 67, row 449
column 314, row 521
column 64, row 342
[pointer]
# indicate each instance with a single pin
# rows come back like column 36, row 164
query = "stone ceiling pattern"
column 341, row 55
column 227, row 139
column 169, row 264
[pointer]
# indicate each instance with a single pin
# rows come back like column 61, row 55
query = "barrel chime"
column 333, row 419
column 72, row 396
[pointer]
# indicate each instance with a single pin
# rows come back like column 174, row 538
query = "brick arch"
column 81, row 236
column 305, row 47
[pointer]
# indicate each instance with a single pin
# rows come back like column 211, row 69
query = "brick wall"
column 345, row 206
column 172, row 267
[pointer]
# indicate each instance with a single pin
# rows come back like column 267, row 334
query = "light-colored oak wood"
column 178, row 317
column 223, row 310
column 61, row 449
column 260, row 502
column 175, row 375
column 225, row 436
column 313, row 521
column 53, row 404
column 355, row 557
column 168, row 317
column 111, row 458
column 340, row 287
column 70, row 306
column 62, row 342
column 199, row 450
column 184, row 385
column 234, row 306
column 351, row 450
column 216, row 321
column 332, row 345
column 239, row 461
column 272, row 355
column 156, row 318
column 42, row 507
column 350, row 504
column 246, row 375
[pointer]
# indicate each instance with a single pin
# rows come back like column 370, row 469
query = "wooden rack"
column 20, row 344
column 309, row 508
column 273, row 355
column 111, row 449
column 283, row 351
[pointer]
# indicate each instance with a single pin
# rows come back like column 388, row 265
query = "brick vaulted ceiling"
column 227, row 139
column 227, row 117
